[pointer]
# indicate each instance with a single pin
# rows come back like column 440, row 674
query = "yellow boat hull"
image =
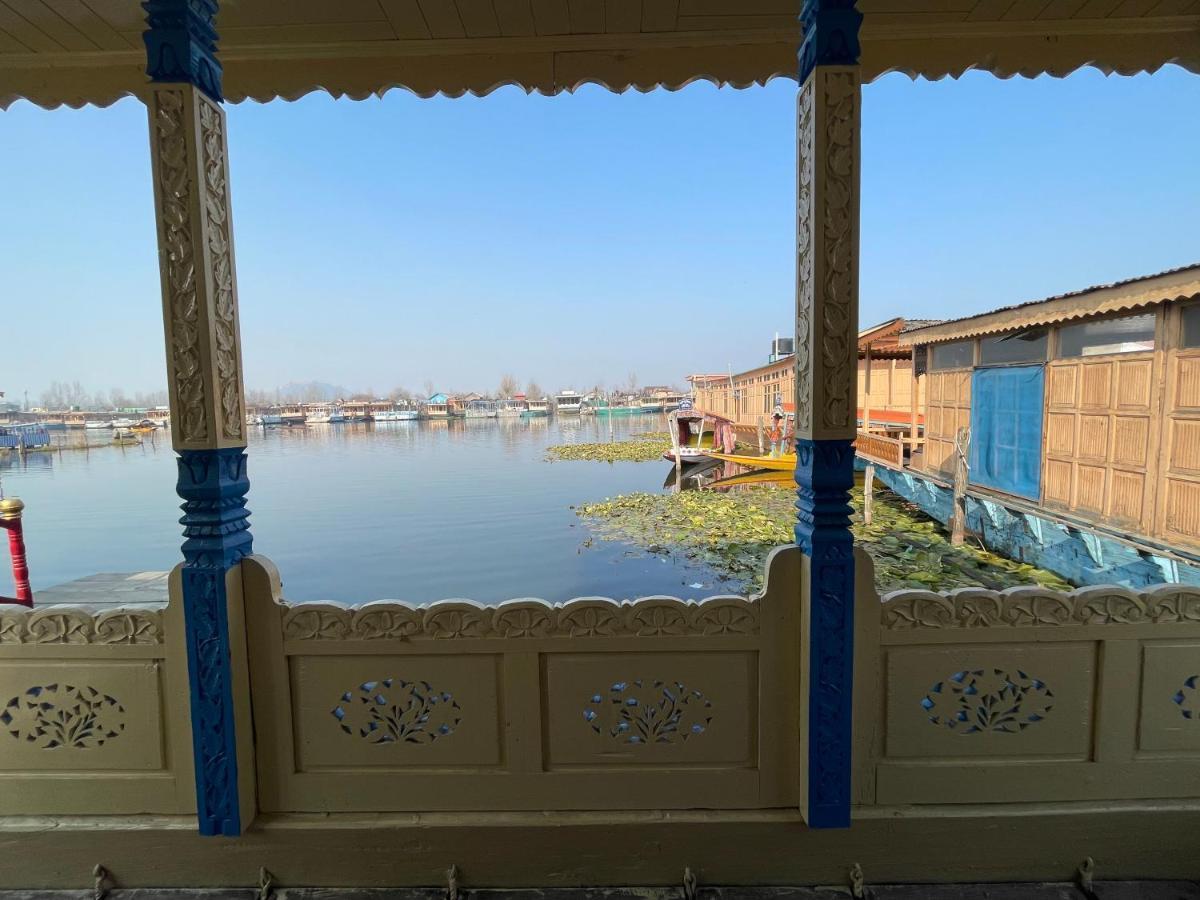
column 784, row 463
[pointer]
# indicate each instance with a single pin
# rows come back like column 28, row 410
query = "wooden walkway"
column 108, row 589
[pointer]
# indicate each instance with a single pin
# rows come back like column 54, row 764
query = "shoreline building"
column 1081, row 418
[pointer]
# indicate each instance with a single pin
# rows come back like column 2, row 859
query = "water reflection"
column 417, row 511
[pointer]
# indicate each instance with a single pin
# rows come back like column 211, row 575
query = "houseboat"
column 511, row 409
column 538, row 407
column 323, row 414
column 657, row 399
column 481, row 409
column 567, row 402
column 885, row 384
column 401, row 414
column 437, row 407
column 1078, row 420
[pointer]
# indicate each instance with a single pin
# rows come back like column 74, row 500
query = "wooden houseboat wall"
column 885, row 397
column 1092, row 428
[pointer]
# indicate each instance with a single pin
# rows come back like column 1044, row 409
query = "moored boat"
column 511, row 408
column 396, row 415
column 695, row 435
column 539, row 407
column 567, row 402
column 481, row 409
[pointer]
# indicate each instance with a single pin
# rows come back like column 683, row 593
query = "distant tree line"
column 65, row 395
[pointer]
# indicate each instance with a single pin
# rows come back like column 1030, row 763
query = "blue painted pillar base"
column 216, row 528
column 824, row 477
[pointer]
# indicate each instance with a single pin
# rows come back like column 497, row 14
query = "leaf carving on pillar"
column 839, row 339
column 178, row 249
column 805, row 297
column 220, row 260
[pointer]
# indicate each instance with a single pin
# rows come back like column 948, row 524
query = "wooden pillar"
column 915, row 404
column 866, row 400
column 189, row 155
column 826, row 365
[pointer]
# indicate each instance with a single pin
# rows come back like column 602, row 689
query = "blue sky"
column 577, row 239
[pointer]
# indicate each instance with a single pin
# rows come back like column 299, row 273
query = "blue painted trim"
column 181, row 44
column 830, row 35
column 216, row 528
column 1078, row 556
column 824, row 477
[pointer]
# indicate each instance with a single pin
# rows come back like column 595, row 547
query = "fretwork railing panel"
column 591, row 704
column 1032, row 695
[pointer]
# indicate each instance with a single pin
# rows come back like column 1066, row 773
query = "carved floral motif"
column 69, row 625
column 982, row 700
column 839, row 245
column 220, row 261
column 594, row 617
column 806, row 137
column 649, row 712
column 61, row 715
column 396, row 711
column 175, row 196
column 1187, row 698
column 1025, row 607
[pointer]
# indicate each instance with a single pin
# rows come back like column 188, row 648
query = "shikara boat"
column 696, row 434
column 782, row 463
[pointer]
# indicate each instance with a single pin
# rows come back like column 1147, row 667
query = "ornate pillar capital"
column 181, row 44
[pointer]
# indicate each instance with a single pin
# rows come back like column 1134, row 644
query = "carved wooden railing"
column 880, row 448
column 592, row 704
column 93, row 711
column 1034, row 695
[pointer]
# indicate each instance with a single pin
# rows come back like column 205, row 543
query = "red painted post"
column 10, row 520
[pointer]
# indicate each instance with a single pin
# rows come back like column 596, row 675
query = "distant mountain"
column 296, row 392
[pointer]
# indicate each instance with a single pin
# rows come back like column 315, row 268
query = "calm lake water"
column 416, row 511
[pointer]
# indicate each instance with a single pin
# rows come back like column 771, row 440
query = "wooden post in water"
column 868, row 492
column 761, row 449
column 958, row 520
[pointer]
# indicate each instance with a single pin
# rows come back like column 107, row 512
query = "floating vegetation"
column 732, row 533
column 641, row 447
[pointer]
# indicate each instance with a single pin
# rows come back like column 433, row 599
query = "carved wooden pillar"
column 826, row 386
column 204, row 371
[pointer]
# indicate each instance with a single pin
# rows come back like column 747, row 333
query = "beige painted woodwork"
column 591, row 704
column 1030, row 695
column 948, row 398
column 190, row 158
column 93, row 711
column 1178, row 509
column 56, row 52
column 1101, row 438
column 828, row 110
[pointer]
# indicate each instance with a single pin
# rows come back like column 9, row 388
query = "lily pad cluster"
column 732, row 532
column 641, row 447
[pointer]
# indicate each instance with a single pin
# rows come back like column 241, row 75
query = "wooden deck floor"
column 108, row 589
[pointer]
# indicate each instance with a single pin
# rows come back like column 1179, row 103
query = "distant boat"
column 511, row 408
column 650, row 405
column 125, row 437
column 145, row 425
column 567, row 402
column 482, row 409
column 538, row 407
column 396, row 415
column 325, row 415
column 97, row 425
column 123, row 423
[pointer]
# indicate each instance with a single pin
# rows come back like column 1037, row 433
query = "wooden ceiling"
column 90, row 51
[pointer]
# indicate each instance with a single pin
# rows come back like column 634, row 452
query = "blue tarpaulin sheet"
column 1006, row 429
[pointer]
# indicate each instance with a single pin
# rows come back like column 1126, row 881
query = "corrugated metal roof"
column 1130, row 293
